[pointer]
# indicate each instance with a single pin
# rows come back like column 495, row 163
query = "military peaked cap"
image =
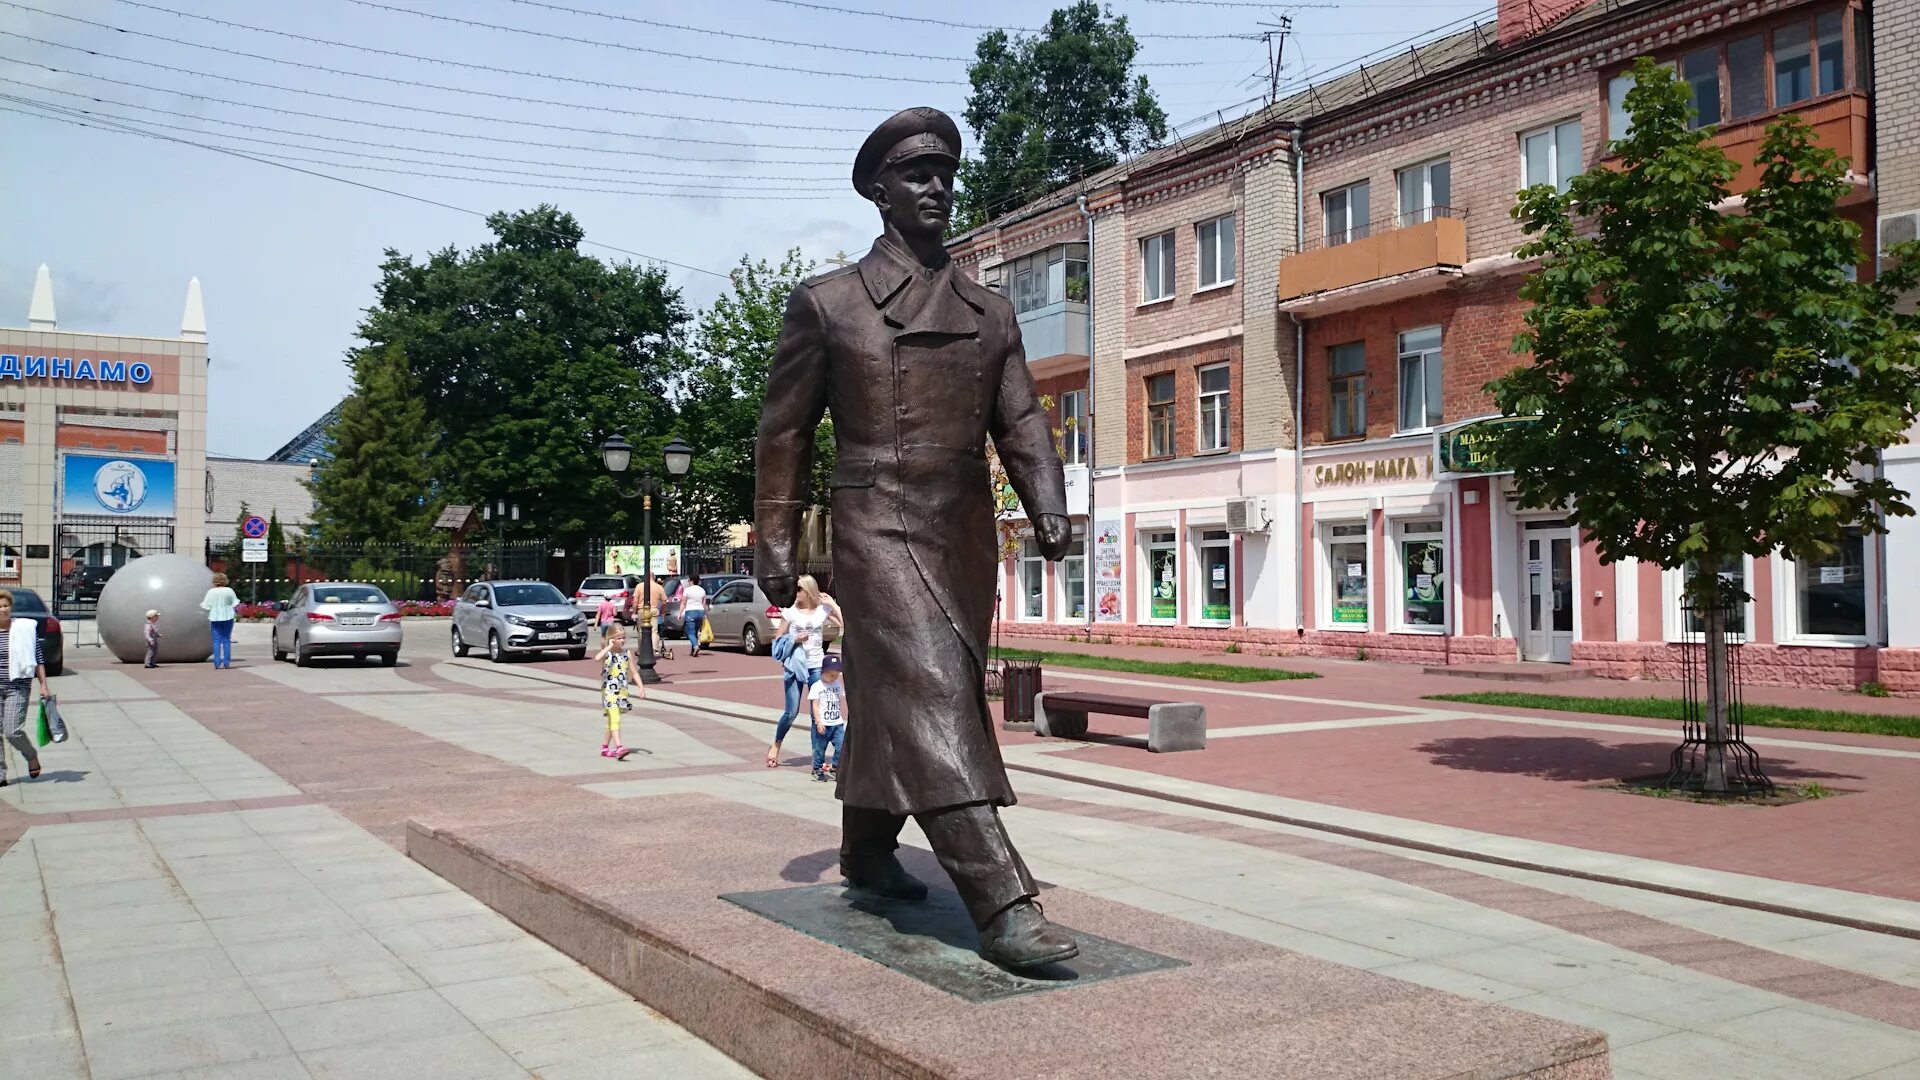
column 905, row 135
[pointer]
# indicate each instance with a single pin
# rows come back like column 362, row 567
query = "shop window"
column 1346, row 212
column 1425, row 191
column 1701, row 70
column 1215, row 386
column 1420, row 379
column 1216, row 577
column 1156, row 268
column 1214, row 241
column 1423, row 575
column 1073, row 427
column 1160, row 416
column 1830, row 594
column 1551, row 156
column 1163, row 577
column 1347, row 409
column 1073, row 587
column 1033, row 582
column 1733, row 588
column 1347, row 584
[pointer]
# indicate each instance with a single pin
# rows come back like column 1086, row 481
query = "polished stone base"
column 934, row 941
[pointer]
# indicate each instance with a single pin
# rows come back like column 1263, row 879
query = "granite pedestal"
column 635, row 892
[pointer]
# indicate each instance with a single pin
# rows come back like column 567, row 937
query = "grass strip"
column 1774, row 716
column 1233, row 673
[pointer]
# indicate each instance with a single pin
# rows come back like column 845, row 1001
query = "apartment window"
column 1156, row 268
column 1424, row 189
column 1073, row 427
column 1420, row 370
column 1830, row 594
column 1346, row 213
column 1619, row 123
column 1050, row 277
column 1160, row 416
column 1750, row 75
column 1827, row 31
column 1701, row 70
column 1214, row 240
column 1347, row 414
column 1746, row 77
column 1347, row 583
column 1792, row 65
column 1215, row 386
column 1551, row 155
column 1423, row 575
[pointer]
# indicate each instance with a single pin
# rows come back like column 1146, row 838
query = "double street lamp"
column 500, row 511
column 617, row 453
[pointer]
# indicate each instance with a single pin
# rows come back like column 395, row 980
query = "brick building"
column 1896, row 114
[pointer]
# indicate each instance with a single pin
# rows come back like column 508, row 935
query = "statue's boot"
column 1021, row 937
column 881, row 874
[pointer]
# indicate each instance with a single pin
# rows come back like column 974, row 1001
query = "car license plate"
column 352, row 620
column 553, row 637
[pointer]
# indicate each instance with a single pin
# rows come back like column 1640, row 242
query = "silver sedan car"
column 517, row 617
column 337, row 618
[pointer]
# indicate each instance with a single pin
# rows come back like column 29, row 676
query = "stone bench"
column 1171, row 725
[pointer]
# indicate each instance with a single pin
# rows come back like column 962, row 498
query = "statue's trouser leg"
column 970, row 841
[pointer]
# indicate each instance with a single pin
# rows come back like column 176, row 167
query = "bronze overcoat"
column 918, row 368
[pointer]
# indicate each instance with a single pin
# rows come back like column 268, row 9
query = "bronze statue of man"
column 918, row 364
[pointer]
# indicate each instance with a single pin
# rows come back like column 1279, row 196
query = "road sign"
column 252, row 550
column 254, row 527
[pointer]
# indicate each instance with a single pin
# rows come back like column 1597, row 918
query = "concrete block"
column 1175, row 726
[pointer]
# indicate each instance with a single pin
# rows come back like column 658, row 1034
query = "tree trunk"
column 1719, row 672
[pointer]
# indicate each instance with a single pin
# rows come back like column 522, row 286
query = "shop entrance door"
column 1547, row 580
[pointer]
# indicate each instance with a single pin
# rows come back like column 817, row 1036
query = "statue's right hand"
column 780, row 590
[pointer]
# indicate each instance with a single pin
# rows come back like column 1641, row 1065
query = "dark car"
column 53, row 643
column 85, row 582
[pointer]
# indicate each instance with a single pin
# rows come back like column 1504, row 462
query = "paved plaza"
column 207, row 880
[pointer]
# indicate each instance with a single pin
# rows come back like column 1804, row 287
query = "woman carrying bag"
column 20, row 664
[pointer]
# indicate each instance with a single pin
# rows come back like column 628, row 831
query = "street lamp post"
column 617, row 454
column 499, row 511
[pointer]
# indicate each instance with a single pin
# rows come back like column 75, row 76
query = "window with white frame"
column 1073, row 581
column 1215, row 592
column 1734, row 593
column 1422, row 564
column 1551, row 156
column 1049, row 277
column 1156, row 268
column 1214, row 241
column 1347, row 390
column 1073, row 427
column 1345, row 210
column 1832, row 594
column 1033, row 582
column 1215, row 386
column 1420, row 379
column 1163, row 577
column 1425, row 189
column 1347, row 597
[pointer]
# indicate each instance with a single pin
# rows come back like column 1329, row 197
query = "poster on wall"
column 626, row 559
column 1106, row 571
column 1163, row 576
column 120, row 486
column 1423, row 570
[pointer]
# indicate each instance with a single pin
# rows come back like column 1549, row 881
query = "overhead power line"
column 597, row 84
column 386, row 191
column 949, row 23
column 621, row 170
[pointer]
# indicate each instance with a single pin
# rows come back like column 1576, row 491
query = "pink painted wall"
column 1598, row 618
column 1652, row 604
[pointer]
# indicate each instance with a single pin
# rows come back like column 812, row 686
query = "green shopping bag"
column 44, row 731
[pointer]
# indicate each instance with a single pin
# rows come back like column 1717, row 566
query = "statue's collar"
column 889, row 266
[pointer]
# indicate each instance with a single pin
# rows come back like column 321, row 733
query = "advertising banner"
column 119, row 486
column 1106, row 571
column 626, row 559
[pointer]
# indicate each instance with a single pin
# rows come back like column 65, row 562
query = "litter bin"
column 1019, row 685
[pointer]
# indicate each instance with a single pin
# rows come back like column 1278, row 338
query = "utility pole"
column 1275, row 38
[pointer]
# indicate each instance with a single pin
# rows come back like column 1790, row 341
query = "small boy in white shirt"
column 829, row 696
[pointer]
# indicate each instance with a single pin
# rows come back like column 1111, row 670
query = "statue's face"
column 916, row 196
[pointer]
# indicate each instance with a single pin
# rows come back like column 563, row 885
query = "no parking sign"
column 254, row 528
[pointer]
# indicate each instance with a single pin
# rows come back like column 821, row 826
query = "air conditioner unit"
column 1899, row 229
column 1247, row 516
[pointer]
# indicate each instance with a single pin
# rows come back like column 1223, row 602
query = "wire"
column 404, row 195
column 983, row 26
column 433, row 60
column 1307, row 80
column 388, row 146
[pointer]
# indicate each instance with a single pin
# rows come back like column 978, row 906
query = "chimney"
column 1522, row 19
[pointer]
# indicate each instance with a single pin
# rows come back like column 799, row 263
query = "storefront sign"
column 626, row 559
column 1386, row 470
column 122, row 487
column 1469, row 448
column 67, row 369
column 1106, row 571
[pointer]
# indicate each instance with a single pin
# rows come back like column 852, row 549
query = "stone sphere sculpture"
column 172, row 584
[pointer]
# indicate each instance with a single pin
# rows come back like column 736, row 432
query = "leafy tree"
column 234, row 551
column 527, row 354
column 721, row 385
column 1709, row 385
column 276, row 548
column 1048, row 109
column 379, row 485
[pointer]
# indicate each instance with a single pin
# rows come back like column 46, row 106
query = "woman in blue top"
column 219, row 604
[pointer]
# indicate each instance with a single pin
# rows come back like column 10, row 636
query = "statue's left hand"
column 1055, row 536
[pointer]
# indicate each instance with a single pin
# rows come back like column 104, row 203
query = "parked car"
column 614, row 587
column 740, row 614
column 505, row 617
column 714, row 582
column 53, row 647
column 85, row 582
column 671, row 624
column 337, row 618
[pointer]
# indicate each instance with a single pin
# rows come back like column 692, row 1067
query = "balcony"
column 1382, row 249
column 1840, row 123
column 1055, row 330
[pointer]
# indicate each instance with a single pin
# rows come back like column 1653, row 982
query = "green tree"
column 1050, row 108
column 235, row 550
column 276, row 566
column 527, row 354
column 379, row 485
column 722, row 383
column 1709, row 385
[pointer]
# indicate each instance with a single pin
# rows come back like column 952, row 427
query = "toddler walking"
column 152, row 632
column 615, row 682
column 829, row 717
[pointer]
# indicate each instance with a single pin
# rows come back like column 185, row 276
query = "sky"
column 554, row 101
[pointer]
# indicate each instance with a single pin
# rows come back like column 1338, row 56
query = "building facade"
column 102, row 444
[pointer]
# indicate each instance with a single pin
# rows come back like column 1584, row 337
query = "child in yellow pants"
column 615, row 685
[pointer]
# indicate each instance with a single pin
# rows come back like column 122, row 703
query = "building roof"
column 265, row 487
column 454, row 517
column 311, row 444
